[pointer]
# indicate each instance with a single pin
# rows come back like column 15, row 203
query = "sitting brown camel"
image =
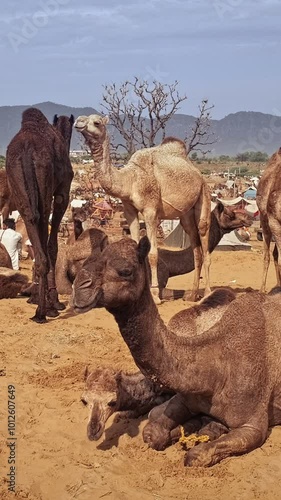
column 269, row 203
column 229, row 371
column 170, row 263
column 40, row 173
column 71, row 257
column 5, row 259
column 11, row 283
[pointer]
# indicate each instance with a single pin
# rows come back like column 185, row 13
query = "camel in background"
column 269, row 204
column 39, row 174
column 160, row 183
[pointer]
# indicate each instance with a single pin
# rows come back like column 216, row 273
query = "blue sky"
column 65, row 50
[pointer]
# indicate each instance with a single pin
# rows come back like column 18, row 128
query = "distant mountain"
column 237, row 132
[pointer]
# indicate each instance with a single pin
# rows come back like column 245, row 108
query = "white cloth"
column 12, row 242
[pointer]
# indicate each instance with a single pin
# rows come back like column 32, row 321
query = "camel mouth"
column 94, row 434
column 91, row 305
column 79, row 127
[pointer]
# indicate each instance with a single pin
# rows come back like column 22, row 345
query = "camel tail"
column 30, row 182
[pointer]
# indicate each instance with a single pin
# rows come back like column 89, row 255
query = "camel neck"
column 216, row 233
column 78, row 228
column 161, row 355
column 112, row 180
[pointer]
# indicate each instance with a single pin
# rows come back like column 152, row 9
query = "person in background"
column 12, row 241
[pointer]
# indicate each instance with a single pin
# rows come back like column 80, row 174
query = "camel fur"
column 39, row 174
column 11, row 283
column 5, row 259
column 160, row 183
column 269, row 203
column 230, row 371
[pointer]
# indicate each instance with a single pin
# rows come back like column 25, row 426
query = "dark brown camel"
column 5, row 259
column 269, row 203
column 79, row 215
column 40, row 173
column 170, row 263
column 231, row 371
column 6, row 203
column 11, row 283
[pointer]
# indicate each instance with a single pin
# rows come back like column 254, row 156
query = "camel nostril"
column 84, row 402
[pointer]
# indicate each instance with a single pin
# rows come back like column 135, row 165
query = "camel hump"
column 172, row 139
column 34, row 115
column 219, row 297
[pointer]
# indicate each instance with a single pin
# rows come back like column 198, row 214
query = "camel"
column 40, row 173
column 5, row 259
column 108, row 391
column 170, row 263
column 229, row 371
column 71, row 257
column 7, row 205
column 79, row 215
column 269, row 203
column 160, row 183
column 11, row 283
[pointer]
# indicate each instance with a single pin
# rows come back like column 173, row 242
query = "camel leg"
column 189, row 225
column 202, row 211
column 236, row 442
column 151, row 220
column 266, row 250
column 275, row 228
column 131, row 215
column 157, row 433
column 203, row 426
column 60, row 206
column 38, row 239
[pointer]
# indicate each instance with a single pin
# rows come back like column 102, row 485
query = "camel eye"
column 112, row 403
column 125, row 273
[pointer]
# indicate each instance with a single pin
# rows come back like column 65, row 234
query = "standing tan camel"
column 269, row 204
column 159, row 182
column 39, row 174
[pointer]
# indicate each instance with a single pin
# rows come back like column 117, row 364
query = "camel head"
column 114, row 278
column 64, row 124
column 100, row 396
column 79, row 214
column 229, row 220
column 92, row 127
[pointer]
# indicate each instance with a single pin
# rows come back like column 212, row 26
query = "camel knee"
column 203, row 227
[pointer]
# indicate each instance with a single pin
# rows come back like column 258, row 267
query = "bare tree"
column 139, row 111
column 201, row 134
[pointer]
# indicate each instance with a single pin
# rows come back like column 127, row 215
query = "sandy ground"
column 54, row 459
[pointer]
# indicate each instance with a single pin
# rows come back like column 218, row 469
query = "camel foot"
column 198, row 456
column 59, row 306
column 190, row 297
column 52, row 313
column 155, row 295
column 39, row 319
column 156, row 436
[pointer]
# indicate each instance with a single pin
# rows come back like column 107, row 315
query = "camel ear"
column 105, row 120
column 71, row 119
column 55, row 120
column 104, row 242
column 143, row 248
column 220, row 207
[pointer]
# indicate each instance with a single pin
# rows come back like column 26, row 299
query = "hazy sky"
column 64, row 50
